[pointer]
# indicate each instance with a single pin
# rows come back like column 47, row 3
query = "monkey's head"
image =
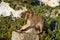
column 28, row 14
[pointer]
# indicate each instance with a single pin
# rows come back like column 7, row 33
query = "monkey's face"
column 28, row 15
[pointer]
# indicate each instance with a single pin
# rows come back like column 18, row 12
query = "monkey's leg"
column 40, row 28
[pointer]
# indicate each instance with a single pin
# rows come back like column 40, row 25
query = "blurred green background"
column 51, row 29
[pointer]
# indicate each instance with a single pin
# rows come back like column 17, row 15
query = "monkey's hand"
column 19, row 31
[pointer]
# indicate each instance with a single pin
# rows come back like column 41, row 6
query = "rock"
column 51, row 3
column 6, row 10
column 24, row 36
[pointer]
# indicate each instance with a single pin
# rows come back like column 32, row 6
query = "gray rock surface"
column 24, row 36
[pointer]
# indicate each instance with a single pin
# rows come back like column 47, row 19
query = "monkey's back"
column 37, row 19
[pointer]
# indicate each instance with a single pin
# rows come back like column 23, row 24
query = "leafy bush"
column 7, row 25
column 51, row 29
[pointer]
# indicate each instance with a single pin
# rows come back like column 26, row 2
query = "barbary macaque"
column 33, row 21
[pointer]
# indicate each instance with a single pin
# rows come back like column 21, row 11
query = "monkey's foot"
column 40, row 33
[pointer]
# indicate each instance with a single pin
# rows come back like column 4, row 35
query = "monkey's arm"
column 25, row 27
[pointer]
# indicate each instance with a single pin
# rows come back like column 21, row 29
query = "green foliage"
column 7, row 24
column 49, row 34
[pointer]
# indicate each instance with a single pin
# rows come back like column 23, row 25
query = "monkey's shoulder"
column 37, row 16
